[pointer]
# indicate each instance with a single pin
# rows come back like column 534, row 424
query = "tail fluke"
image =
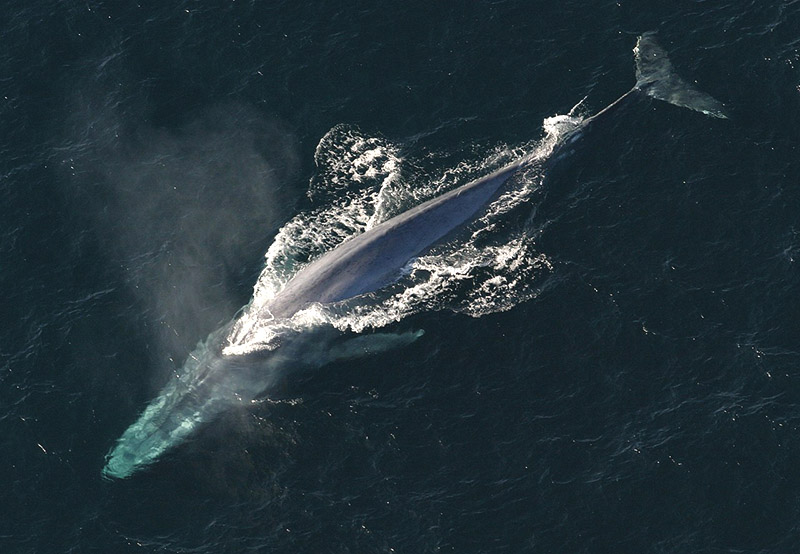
column 656, row 77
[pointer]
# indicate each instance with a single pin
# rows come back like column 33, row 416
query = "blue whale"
column 212, row 381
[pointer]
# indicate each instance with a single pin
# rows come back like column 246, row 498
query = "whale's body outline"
column 212, row 381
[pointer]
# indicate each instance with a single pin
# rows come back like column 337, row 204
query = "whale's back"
column 375, row 258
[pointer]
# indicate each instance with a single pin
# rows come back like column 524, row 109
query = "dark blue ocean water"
column 645, row 398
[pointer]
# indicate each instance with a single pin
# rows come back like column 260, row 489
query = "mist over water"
column 178, row 210
column 604, row 361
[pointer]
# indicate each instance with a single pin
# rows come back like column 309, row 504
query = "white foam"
column 362, row 181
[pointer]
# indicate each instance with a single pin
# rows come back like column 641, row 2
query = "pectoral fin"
column 366, row 345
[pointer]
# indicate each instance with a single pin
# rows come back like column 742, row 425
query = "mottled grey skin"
column 375, row 258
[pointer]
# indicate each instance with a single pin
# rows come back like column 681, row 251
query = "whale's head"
column 188, row 400
column 209, row 383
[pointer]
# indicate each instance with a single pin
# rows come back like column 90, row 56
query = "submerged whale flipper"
column 367, row 345
column 656, row 77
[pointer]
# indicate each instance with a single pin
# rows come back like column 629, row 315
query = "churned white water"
column 363, row 181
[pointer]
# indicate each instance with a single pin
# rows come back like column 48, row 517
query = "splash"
column 363, row 181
